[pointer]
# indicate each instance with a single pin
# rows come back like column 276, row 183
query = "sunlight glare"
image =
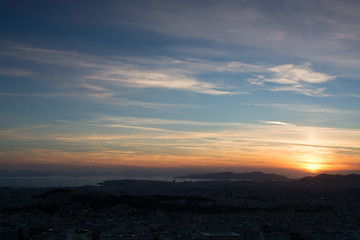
column 313, row 167
column 313, row 162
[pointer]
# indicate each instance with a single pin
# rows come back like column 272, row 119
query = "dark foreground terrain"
column 130, row 209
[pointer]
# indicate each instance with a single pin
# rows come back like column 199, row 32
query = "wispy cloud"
column 271, row 131
column 294, row 74
column 128, row 72
column 302, row 108
column 103, row 97
column 320, row 35
column 127, row 138
column 301, row 89
column 158, row 79
column 296, row 78
column 353, row 95
column 160, row 121
column 275, row 122
column 173, row 74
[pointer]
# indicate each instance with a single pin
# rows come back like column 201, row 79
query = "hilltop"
column 332, row 178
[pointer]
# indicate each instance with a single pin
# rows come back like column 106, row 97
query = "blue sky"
column 228, row 84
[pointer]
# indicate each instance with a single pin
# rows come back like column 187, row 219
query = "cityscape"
column 319, row 207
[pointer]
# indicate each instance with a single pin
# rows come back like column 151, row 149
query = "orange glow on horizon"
column 313, row 167
column 212, row 154
column 307, row 162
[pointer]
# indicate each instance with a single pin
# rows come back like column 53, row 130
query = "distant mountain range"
column 332, row 178
column 266, row 177
column 251, row 176
column 247, row 176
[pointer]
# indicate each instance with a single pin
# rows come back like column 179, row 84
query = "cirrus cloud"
column 293, row 74
column 295, row 78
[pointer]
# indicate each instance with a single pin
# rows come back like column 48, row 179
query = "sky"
column 228, row 85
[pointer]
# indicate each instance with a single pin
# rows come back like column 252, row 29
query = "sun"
column 313, row 163
column 313, row 167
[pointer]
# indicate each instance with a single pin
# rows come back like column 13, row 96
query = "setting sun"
column 314, row 160
column 313, row 167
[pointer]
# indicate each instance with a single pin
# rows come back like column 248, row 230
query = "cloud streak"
column 292, row 74
column 172, row 74
column 127, row 137
column 271, row 131
column 309, row 108
column 321, row 31
column 158, row 79
column 133, row 73
column 295, row 78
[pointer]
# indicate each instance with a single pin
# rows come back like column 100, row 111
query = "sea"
column 77, row 181
column 66, row 181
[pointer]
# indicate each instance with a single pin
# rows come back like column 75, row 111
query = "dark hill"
column 251, row 176
column 332, row 178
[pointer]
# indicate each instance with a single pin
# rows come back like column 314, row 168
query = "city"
column 224, row 209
